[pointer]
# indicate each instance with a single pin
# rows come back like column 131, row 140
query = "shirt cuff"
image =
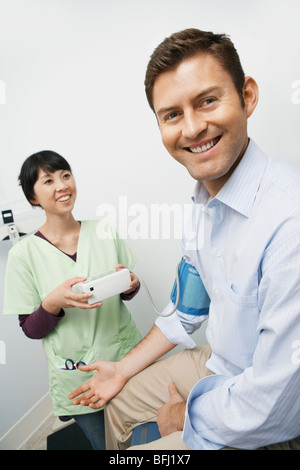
column 130, row 295
column 173, row 330
column 192, row 427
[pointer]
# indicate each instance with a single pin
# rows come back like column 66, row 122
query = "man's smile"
column 203, row 146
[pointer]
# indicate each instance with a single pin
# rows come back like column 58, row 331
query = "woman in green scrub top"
column 44, row 267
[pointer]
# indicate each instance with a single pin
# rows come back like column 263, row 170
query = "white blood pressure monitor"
column 106, row 285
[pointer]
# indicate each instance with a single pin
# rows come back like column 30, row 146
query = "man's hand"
column 102, row 387
column 112, row 376
column 172, row 414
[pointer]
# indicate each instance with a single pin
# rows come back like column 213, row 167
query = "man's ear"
column 251, row 95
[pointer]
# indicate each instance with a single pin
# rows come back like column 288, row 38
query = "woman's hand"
column 134, row 279
column 64, row 297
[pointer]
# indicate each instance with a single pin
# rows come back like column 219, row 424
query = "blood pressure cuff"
column 193, row 299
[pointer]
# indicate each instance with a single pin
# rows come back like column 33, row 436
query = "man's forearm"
column 151, row 348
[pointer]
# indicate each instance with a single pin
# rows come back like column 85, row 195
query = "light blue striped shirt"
column 247, row 252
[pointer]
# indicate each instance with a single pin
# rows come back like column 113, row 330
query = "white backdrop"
column 71, row 80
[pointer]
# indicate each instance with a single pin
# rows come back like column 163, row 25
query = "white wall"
column 71, row 76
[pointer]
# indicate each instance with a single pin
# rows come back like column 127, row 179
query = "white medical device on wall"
column 13, row 231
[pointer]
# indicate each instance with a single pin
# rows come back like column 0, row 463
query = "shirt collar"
column 240, row 190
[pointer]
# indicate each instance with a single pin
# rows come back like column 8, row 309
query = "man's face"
column 202, row 121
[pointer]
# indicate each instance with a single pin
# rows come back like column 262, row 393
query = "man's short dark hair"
column 189, row 43
column 45, row 160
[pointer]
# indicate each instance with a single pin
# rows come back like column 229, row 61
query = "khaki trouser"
column 141, row 397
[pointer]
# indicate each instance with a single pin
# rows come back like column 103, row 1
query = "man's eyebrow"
column 203, row 93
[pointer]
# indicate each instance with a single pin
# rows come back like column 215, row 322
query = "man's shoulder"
column 284, row 178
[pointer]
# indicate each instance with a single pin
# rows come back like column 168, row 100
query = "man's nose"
column 193, row 125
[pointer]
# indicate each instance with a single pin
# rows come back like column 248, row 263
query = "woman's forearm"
column 39, row 323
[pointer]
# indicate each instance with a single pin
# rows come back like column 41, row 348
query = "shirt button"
column 219, row 253
column 217, row 291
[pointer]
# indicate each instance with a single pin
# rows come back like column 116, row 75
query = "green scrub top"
column 35, row 267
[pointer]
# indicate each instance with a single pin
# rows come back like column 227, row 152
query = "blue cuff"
column 193, row 299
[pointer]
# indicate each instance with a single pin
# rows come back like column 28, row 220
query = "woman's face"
column 55, row 192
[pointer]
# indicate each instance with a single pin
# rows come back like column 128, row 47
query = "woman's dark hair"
column 186, row 44
column 46, row 160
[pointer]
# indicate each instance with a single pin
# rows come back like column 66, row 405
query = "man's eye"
column 208, row 101
column 172, row 116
